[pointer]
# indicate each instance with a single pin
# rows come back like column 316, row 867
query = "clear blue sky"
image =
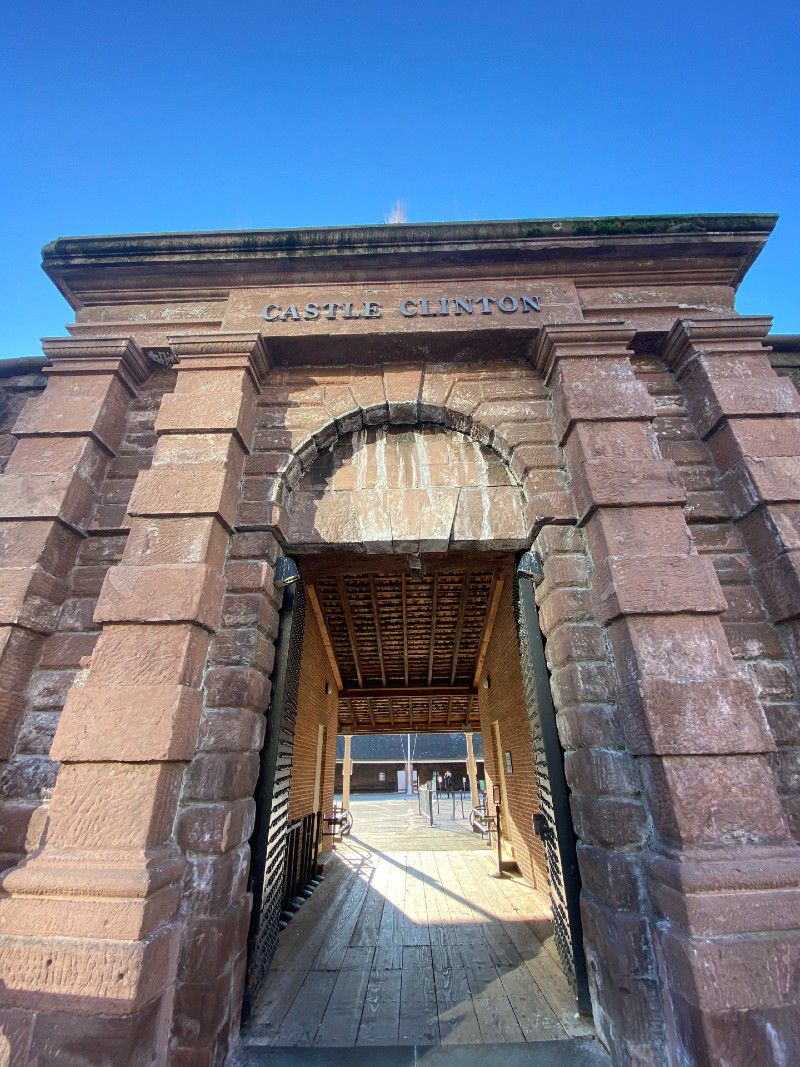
column 126, row 117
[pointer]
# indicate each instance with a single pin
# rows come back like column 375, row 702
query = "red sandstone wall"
column 314, row 707
column 28, row 777
column 761, row 648
column 504, row 702
column 14, row 391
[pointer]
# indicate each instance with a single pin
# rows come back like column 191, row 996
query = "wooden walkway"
column 415, row 947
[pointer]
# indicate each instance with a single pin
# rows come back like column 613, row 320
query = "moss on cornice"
column 402, row 236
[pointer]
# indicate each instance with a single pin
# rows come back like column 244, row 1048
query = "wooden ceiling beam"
column 397, row 692
column 371, row 711
column 377, row 621
column 351, row 631
column 326, row 564
column 433, row 627
column 494, row 604
column 311, row 592
column 405, row 627
column 462, row 610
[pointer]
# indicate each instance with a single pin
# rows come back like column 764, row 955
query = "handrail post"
column 499, row 842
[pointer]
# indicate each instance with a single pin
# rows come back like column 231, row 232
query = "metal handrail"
column 302, row 862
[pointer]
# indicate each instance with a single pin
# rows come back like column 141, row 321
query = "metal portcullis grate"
column 558, row 835
column 269, row 840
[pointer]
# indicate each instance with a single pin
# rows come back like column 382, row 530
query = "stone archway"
column 417, row 488
column 505, row 408
column 151, row 812
column 400, row 488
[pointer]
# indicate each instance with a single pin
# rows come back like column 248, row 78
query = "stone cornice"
column 692, row 337
column 217, row 348
column 104, row 355
column 580, row 340
column 720, row 248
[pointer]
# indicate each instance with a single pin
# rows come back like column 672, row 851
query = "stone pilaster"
column 719, row 863
column 751, row 419
column 108, row 878
column 64, row 439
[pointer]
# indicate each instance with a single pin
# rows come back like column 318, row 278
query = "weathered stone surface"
column 599, row 390
column 45, row 496
column 191, row 489
column 660, row 710
column 221, row 776
column 85, row 405
column 656, row 585
column 698, row 717
column 494, row 514
column 206, row 412
column 129, row 1038
column 745, row 972
column 228, row 730
column 114, row 805
column 30, row 598
column 714, row 800
column 210, row 828
column 41, row 973
column 190, row 592
column 166, row 719
column 195, row 539
column 620, row 483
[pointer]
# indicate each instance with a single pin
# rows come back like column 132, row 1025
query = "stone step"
column 576, row 1052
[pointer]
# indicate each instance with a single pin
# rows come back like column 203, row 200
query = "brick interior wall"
column 314, row 707
column 504, row 702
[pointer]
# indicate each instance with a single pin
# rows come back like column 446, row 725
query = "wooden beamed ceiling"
column 406, row 645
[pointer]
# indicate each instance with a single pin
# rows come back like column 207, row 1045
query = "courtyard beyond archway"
column 416, row 943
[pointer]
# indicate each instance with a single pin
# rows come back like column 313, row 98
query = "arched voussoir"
column 503, row 411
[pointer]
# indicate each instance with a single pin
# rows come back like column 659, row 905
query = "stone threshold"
column 575, row 1052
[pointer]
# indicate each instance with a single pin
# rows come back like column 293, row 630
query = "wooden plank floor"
column 415, row 946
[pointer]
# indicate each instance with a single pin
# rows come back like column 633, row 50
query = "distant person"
column 448, row 783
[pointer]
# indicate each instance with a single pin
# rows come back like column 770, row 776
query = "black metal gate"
column 268, row 843
column 555, row 823
column 302, row 858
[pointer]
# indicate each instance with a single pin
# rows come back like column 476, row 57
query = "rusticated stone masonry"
column 654, row 465
column 693, row 723
column 127, row 731
column 17, row 386
column 28, row 777
column 65, row 438
column 608, row 808
column 303, row 413
column 749, row 419
column 762, row 648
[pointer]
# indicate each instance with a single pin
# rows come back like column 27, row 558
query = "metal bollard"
column 453, row 816
column 430, row 805
column 500, row 872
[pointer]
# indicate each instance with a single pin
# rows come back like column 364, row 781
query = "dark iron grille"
column 269, row 840
column 559, row 841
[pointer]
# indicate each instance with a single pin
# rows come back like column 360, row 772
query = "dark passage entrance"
column 405, row 935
